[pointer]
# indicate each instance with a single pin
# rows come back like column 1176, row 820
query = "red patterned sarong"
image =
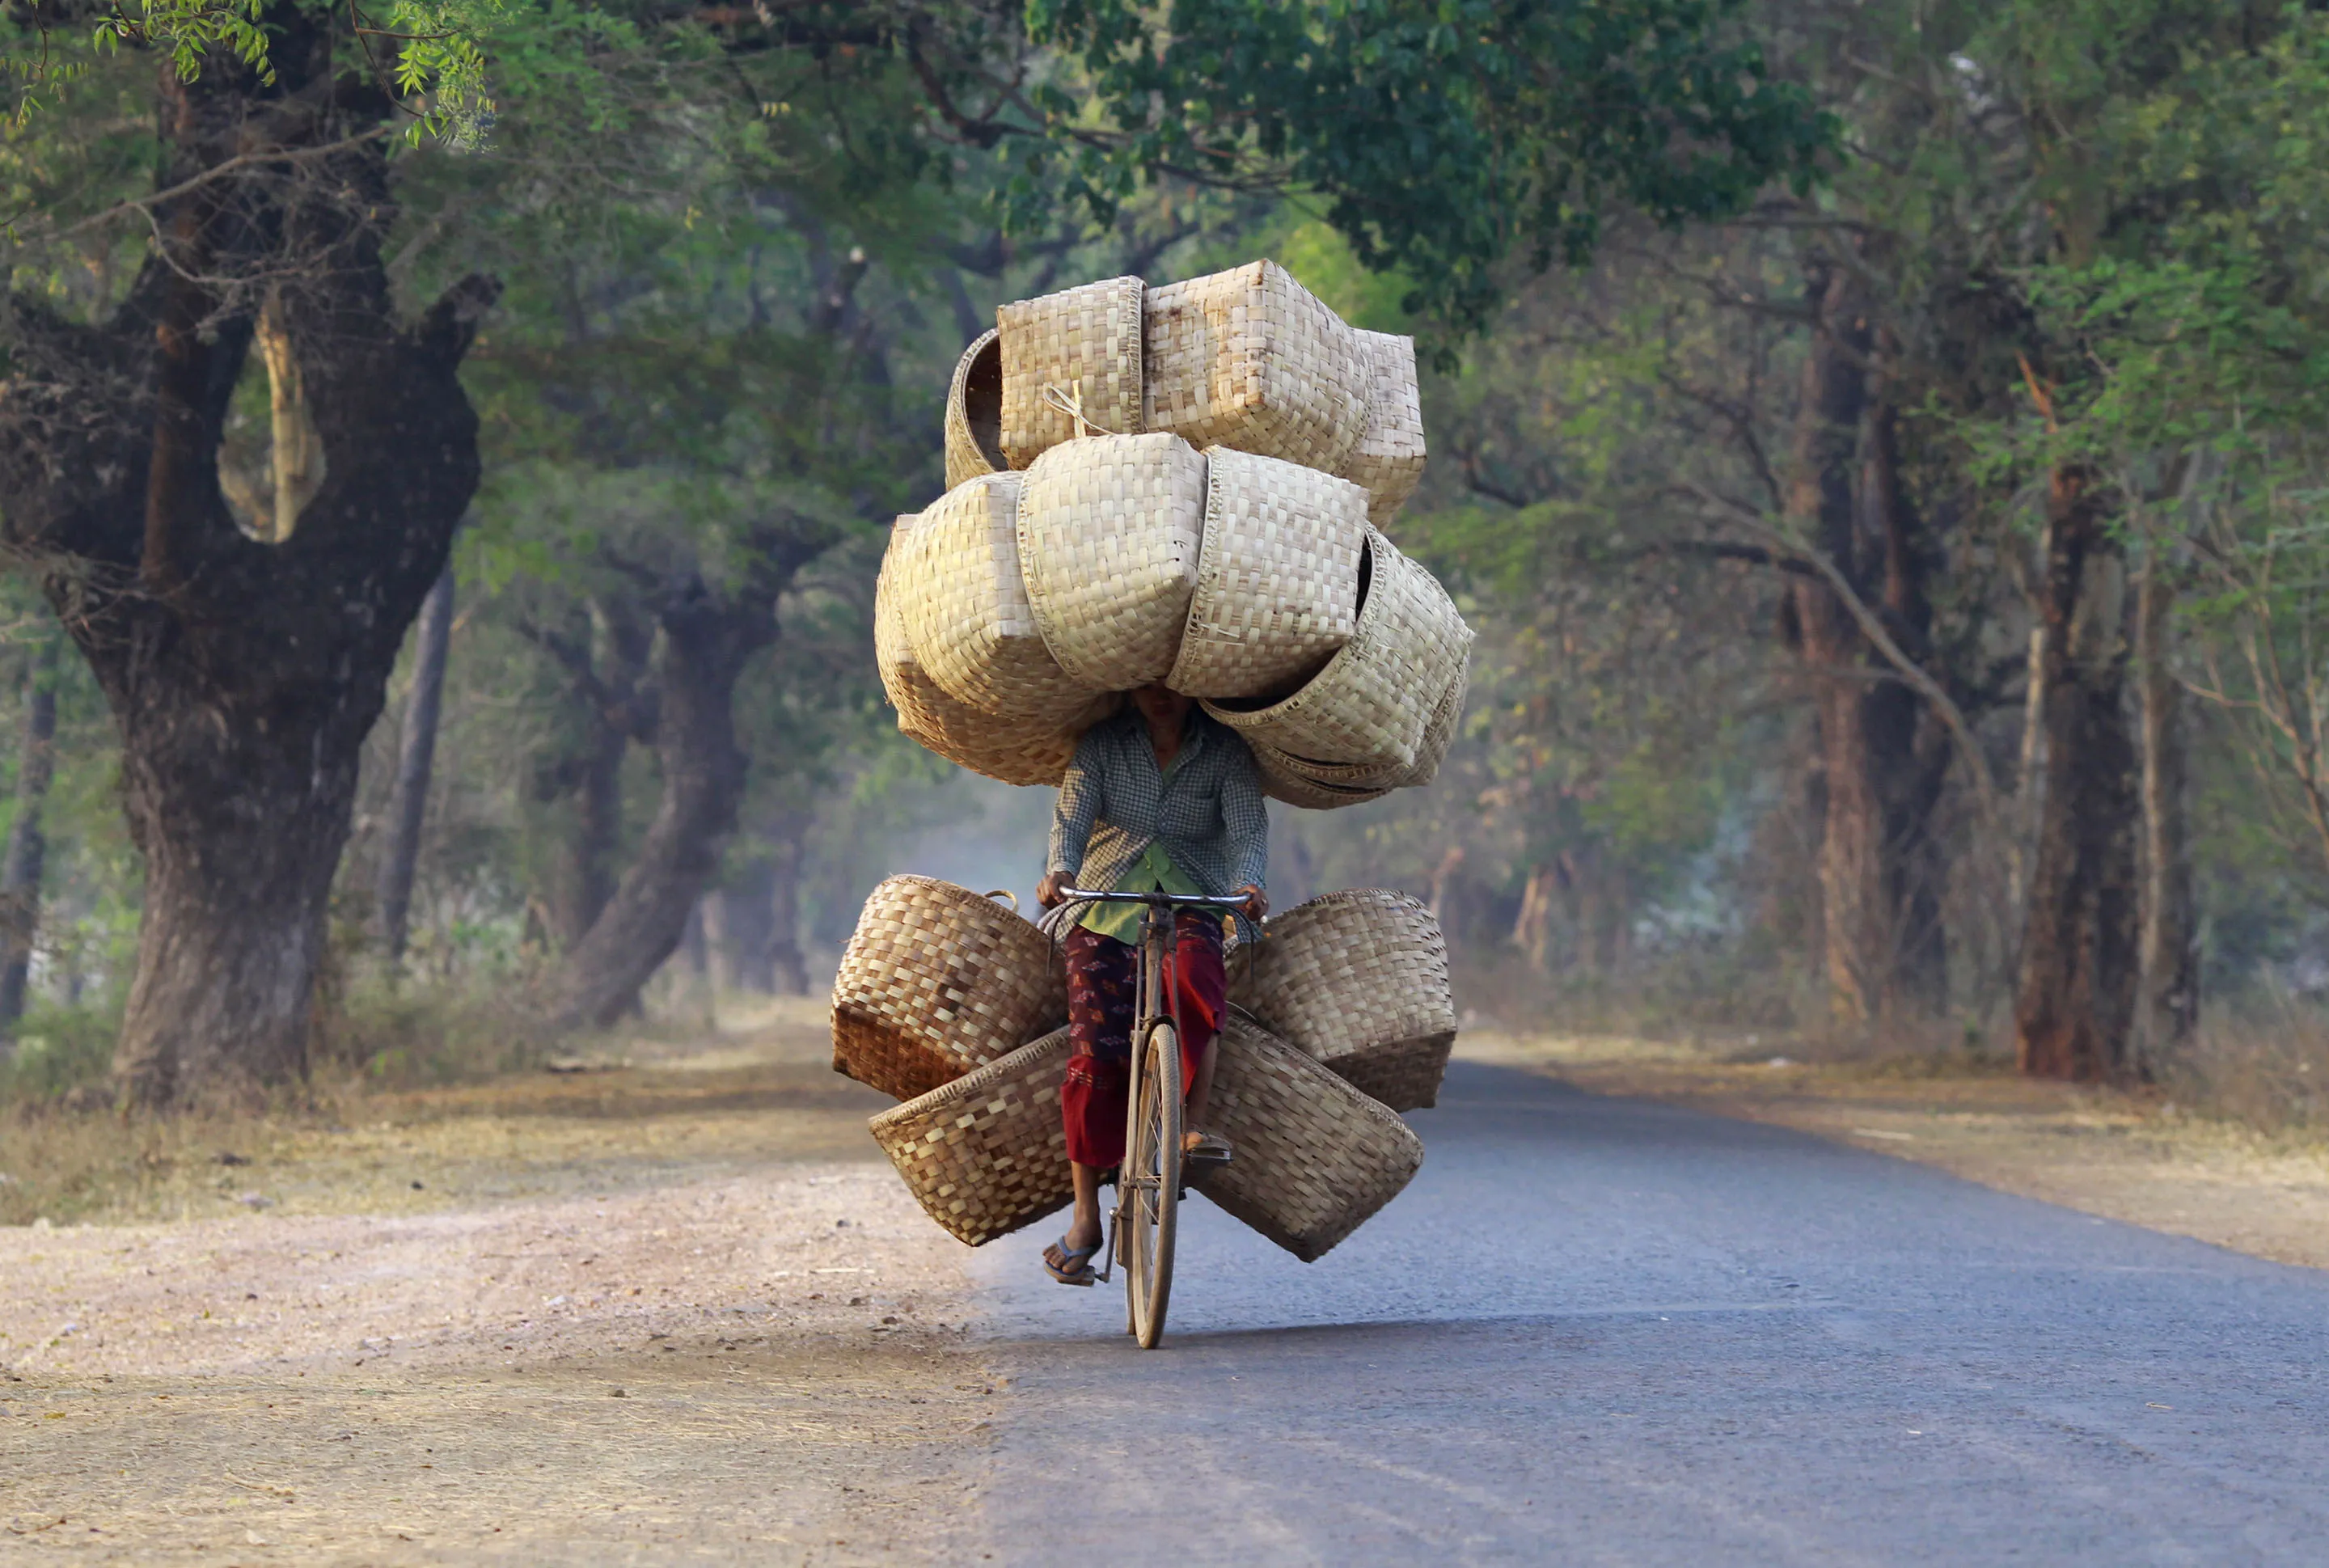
column 1103, row 998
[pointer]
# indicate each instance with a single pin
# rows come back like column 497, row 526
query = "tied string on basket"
column 1072, row 405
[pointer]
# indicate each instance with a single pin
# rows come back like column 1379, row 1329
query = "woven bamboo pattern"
column 1085, row 341
column 1315, row 1158
column 986, row 1154
column 1389, row 457
column 1277, row 577
column 1250, row 359
column 1371, row 704
column 1372, row 780
column 1110, row 530
column 1359, row 980
column 937, row 981
column 1281, row 781
column 973, row 413
column 1015, row 751
column 966, row 612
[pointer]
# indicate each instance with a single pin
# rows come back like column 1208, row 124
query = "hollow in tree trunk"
column 242, row 675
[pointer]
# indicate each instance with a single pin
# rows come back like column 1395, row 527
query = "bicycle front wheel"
column 1151, row 1185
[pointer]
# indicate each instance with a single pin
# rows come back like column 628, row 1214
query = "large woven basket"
column 1015, row 751
column 1389, row 457
column 1085, row 344
column 1371, row 704
column 1315, row 1158
column 1111, row 528
column 966, row 612
column 1278, row 578
column 987, row 1154
column 1359, row 980
column 973, row 413
column 937, row 982
column 1370, row 779
column 1250, row 359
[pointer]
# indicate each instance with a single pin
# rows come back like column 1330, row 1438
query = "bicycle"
column 1142, row 1225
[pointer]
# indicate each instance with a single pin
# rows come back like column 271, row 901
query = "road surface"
column 1602, row 1331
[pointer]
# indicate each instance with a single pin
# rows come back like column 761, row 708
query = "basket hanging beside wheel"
column 936, row 982
column 987, row 1154
column 1359, row 980
column 1315, row 1158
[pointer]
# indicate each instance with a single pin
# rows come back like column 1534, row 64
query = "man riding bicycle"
column 1159, row 798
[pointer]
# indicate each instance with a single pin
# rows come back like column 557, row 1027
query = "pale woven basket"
column 1438, row 735
column 987, row 1154
column 936, row 982
column 1014, row 751
column 1371, row 704
column 1110, row 530
column 1359, row 980
column 965, row 610
column 1083, row 343
column 1250, row 359
column 1314, row 1159
column 1278, row 578
column 1388, row 458
column 1280, row 782
column 973, row 413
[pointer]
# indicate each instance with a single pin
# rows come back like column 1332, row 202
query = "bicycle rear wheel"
column 1150, row 1185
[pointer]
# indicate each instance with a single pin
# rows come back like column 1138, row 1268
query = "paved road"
column 1600, row 1331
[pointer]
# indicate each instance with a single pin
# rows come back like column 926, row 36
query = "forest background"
column 445, row 465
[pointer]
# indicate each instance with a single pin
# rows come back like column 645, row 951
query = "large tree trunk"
column 2168, row 1001
column 787, row 965
column 2075, row 1005
column 243, row 674
column 416, row 754
column 27, row 854
column 739, row 920
column 705, row 642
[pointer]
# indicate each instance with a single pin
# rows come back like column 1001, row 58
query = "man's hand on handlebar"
column 1047, row 892
column 1257, row 903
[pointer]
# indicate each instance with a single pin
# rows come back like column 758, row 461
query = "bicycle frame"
column 1159, row 937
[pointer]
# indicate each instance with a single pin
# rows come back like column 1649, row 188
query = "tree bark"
column 416, row 755
column 27, row 854
column 739, row 919
column 242, row 675
column 2168, row 1005
column 2075, row 1004
column 705, row 642
column 787, row 965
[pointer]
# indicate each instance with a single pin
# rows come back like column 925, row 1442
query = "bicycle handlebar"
column 1155, row 900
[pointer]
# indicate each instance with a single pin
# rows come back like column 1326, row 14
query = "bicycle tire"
column 1151, row 1185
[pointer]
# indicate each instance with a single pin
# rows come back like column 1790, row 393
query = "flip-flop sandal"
column 1209, row 1153
column 1078, row 1270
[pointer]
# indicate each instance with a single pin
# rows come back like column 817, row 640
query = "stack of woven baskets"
column 1340, row 1017
column 1184, row 484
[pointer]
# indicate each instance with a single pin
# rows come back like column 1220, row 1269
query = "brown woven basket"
column 986, row 1154
column 1015, row 751
column 1389, row 457
column 1083, row 343
column 965, row 608
column 973, row 413
column 1250, row 359
column 1314, row 1157
column 936, row 982
column 1369, row 707
column 1110, row 529
column 1278, row 578
column 1358, row 979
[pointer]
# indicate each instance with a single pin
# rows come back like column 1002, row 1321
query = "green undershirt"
column 1154, row 872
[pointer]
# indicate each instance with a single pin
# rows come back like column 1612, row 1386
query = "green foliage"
column 1445, row 137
